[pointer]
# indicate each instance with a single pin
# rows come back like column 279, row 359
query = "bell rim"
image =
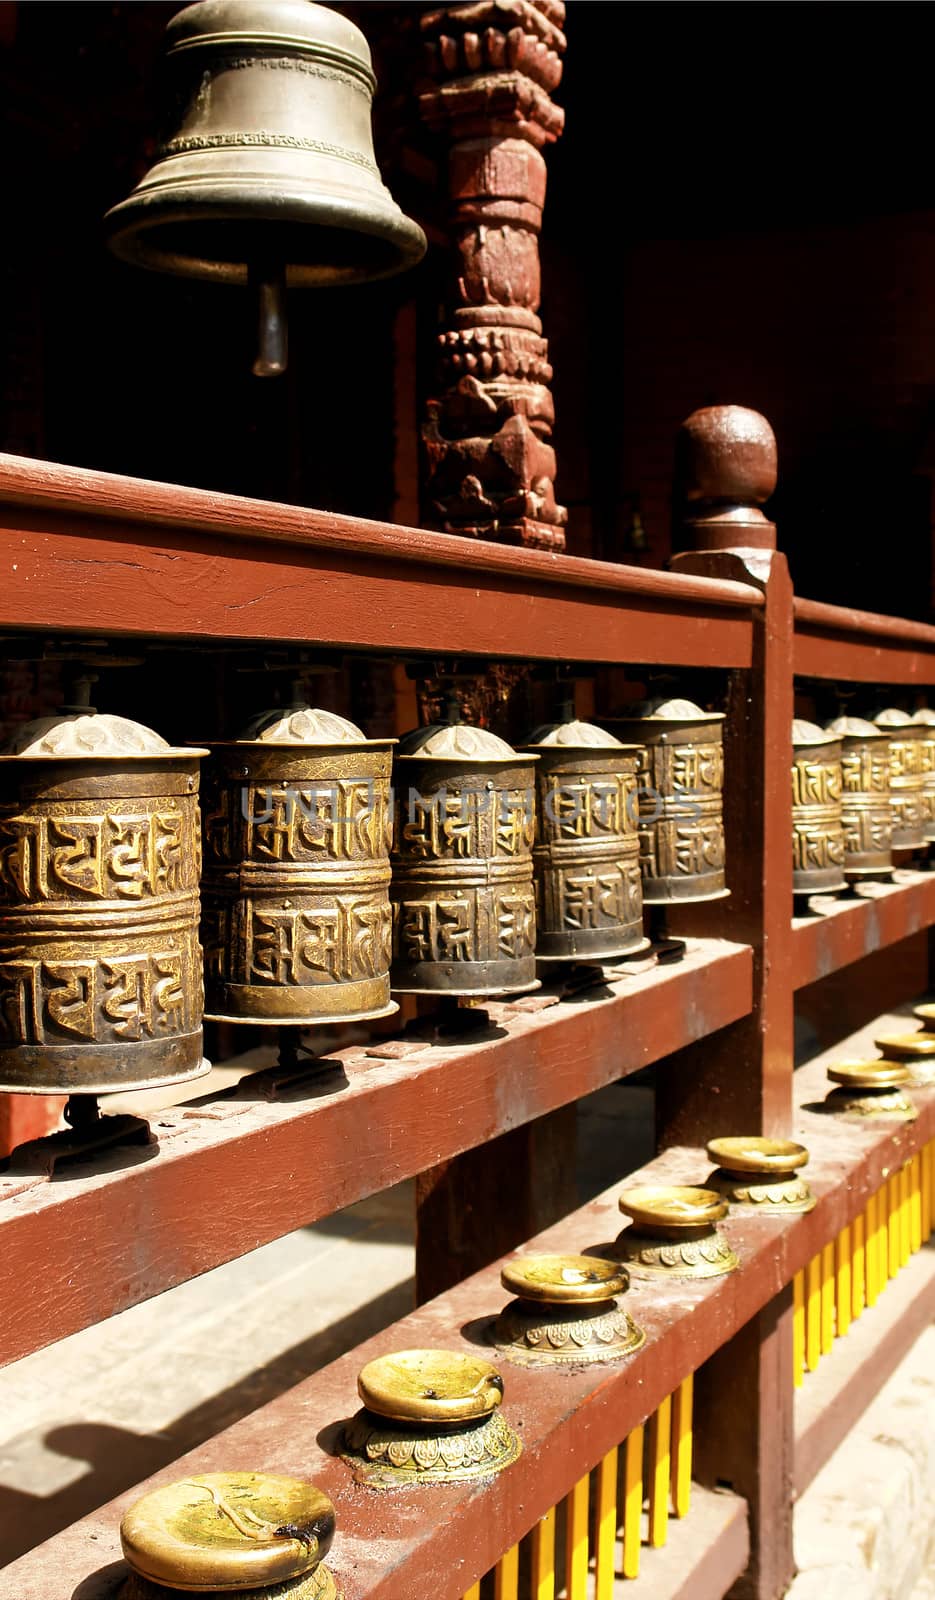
column 173, row 202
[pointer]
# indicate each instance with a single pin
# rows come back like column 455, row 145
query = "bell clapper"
column 267, row 284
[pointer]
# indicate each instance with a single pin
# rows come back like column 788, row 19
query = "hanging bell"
column 267, row 175
column 100, row 965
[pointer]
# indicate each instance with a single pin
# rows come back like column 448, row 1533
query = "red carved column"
column 494, row 64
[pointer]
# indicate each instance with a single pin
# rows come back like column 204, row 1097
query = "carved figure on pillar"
column 491, row 466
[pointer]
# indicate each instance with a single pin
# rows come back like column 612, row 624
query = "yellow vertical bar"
column 682, row 1445
column 894, row 1226
column 633, row 1503
column 473, row 1593
column 843, row 1290
column 606, row 1532
column 905, row 1215
column 859, row 1265
column 873, row 1254
column 883, row 1271
column 660, row 1432
column 813, row 1313
column 798, row 1329
column 915, row 1203
column 543, row 1558
column 576, row 1540
column 827, row 1297
column 506, row 1582
column 926, row 1191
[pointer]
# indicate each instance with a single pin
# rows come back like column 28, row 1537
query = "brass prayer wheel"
column 297, row 922
column 681, row 783
column 817, row 828
column 761, row 1175
column 254, row 1534
column 430, row 1416
column 925, row 718
column 267, row 173
column 870, row 1089
column 906, row 776
column 464, row 913
column 100, row 965
column 565, row 1312
column 589, row 897
column 673, row 1233
column 866, row 813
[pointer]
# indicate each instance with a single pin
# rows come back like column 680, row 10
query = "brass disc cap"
column 430, row 1386
column 925, row 1012
column 664, row 1206
column 218, row 1531
column 869, row 1074
column 754, row 1154
column 564, row 1280
column 913, row 1045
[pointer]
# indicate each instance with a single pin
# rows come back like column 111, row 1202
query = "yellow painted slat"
column 927, row 1190
column 606, row 1530
column 827, row 1298
column 813, row 1313
column 542, row 1551
column 905, row 1215
column 859, row 1265
column 506, row 1579
column 798, row 1329
column 682, row 1445
column 842, row 1288
column 633, row 1503
column 915, row 1203
column 893, row 1225
column 660, row 1433
column 576, row 1540
column 473, row 1593
column 883, row 1238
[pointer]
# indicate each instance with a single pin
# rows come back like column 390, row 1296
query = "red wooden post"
column 491, row 467
column 27, row 1116
column 740, row 1080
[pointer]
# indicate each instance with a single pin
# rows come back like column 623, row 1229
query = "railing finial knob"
column 725, row 470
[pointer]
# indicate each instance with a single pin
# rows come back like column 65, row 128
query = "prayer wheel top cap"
column 573, row 735
column 925, row 717
column 674, row 711
column 297, row 23
column 729, row 455
column 854, row 728
column 911, row 1045
column 305, row 725
column 869, row 1074
column 218, row 1531
column 431, row 1386
column 456, row 741
column 564, row 1280
column 755, row 1154
column 809, row 733
column 892, row 717
column 89, row 736
column 652, row 1205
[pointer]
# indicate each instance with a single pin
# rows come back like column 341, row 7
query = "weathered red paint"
column 846, row 930
column 860, row 646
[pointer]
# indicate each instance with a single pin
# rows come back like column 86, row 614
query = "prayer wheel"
column 464, row 913
column 681, row 783
column 866, row 814
column 100, row 965
column 926, row 720
column 906, row 776
column 589, row 898
column 296, row 887
column 818, row 851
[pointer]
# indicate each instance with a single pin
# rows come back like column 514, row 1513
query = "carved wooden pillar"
column 491, row 468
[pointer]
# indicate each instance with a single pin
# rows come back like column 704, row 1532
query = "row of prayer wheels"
column 860, row 790
column 336, row 869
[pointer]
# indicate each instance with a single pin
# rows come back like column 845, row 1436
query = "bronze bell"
column 906, row 776
column 681, row 821
column 589, row 898
column 865, row 800
column 100, row 965
column 267, row 174
column 817, row 827
column 464, row 912
column 296, row 903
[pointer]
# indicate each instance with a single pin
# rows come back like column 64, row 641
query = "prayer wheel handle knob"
column 869, row 1074
column 764, row 1157
column 664, row 1209
column 430, row 1386
column 564, row 1280
column 726, row 469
